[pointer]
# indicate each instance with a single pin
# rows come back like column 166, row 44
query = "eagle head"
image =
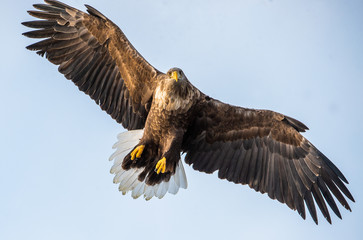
column 177, row 75
column 177, row 89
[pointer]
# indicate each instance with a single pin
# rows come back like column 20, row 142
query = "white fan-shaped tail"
column 128, row 180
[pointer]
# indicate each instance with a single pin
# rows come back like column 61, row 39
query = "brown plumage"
column 261, row 148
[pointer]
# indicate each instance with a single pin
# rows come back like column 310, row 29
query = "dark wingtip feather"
column 331, row 165
column 44, row 15
column 41, row 53
column 311, row 206
column 328, row 197
column 299, row 126
column 30, row 48
column 302, row 214
column 40, row 45
column 59, row 4
column 46, row 7
column 95, row 12
column 43, row 33
column 40, row 24
column 321, row 203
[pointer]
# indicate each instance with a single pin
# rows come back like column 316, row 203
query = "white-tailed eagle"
column 166, row 115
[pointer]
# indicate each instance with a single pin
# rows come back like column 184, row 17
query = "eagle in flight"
column 165, row 115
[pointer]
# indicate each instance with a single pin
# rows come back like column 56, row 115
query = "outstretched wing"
column 95, row 54
column 265, row 150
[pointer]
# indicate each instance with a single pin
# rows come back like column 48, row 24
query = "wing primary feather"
column 339, row 183
column 336, row 192
column 41, row 45
column 320, row 201
column 43, row 33
column 308, row 145
column 299, row 204
column 333, row 167
column 48, row 8
column 46, row 24
column 59, row 4
column 311, row 206
column 328, row 197
column 44, row 15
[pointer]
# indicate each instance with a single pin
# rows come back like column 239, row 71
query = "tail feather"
column 128, row 180
column 115, row 168
column 138, row 190
column 173, row 187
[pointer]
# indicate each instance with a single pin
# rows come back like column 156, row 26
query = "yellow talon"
column 137, row 152
column 161, row 165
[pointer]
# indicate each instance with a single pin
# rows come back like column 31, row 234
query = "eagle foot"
column 137, row 152
column 161, row 166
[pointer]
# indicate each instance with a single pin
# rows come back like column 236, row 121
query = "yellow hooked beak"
column 174, row 75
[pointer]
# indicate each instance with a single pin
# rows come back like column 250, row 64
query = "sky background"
column 301, row 58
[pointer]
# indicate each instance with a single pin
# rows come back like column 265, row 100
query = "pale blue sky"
column 300, row 58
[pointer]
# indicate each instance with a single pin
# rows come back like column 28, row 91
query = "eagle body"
column 173, row 107
column 165, row 115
